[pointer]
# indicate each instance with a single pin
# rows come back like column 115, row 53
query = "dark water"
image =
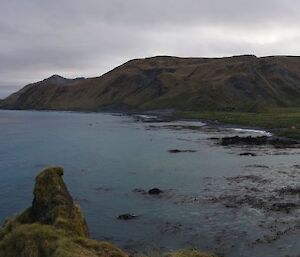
column 106, row 157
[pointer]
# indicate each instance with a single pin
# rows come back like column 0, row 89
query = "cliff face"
column 53, row 226
column 234, row 83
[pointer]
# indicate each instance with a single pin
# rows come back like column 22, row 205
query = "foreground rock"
column 53, row 226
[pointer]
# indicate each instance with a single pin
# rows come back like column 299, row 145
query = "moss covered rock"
column 53, row 226
column 37, row 240
column 53, row 204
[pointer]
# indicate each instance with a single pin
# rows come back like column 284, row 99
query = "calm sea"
column 107, row 156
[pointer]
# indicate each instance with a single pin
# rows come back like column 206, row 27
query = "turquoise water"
column 107, row 156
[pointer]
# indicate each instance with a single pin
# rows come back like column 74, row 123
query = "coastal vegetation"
column 281, row 121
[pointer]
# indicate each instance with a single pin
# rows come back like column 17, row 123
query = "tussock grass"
column 282, row 121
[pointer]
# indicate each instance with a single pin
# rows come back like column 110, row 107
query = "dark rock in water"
column 289, row 191
column 248, row 154
column 285, row 207
column 103, row 189
column 251, row 178
column 155, row 191
column 237, row 140
column 174, row 151
column 261, row 140
column 127, row 216
column 258, row 166
column 283, row 142
column 181, row 151
column 139, row 190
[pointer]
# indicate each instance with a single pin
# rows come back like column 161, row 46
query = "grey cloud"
column 87, row 38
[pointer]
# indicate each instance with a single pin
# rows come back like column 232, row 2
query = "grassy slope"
column 243, row 83
column 282, row 121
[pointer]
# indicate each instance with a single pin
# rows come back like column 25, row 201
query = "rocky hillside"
column 241, row 83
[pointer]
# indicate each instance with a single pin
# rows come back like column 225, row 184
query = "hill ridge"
column 236, row 83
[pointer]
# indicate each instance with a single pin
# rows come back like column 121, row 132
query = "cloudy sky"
column 75, row 38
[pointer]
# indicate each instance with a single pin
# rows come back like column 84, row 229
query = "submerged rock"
column 284, row 207
column 139, row 191
column 53, row 226
column 155, row 191
column 289, row 190
column 260, row 140
column 181, row 151
column 237, row 140
column 248, row 154
column 127, row 216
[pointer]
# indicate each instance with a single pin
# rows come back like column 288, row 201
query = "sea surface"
column 213, row 198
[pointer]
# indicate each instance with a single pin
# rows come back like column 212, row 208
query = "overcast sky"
column 75, row 38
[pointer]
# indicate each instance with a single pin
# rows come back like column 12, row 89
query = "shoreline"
column 169, row 115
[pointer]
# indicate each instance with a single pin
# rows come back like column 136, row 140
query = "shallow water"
column 106, row 157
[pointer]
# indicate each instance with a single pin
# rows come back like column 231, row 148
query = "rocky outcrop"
column 53, row 226
column 53, row 204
